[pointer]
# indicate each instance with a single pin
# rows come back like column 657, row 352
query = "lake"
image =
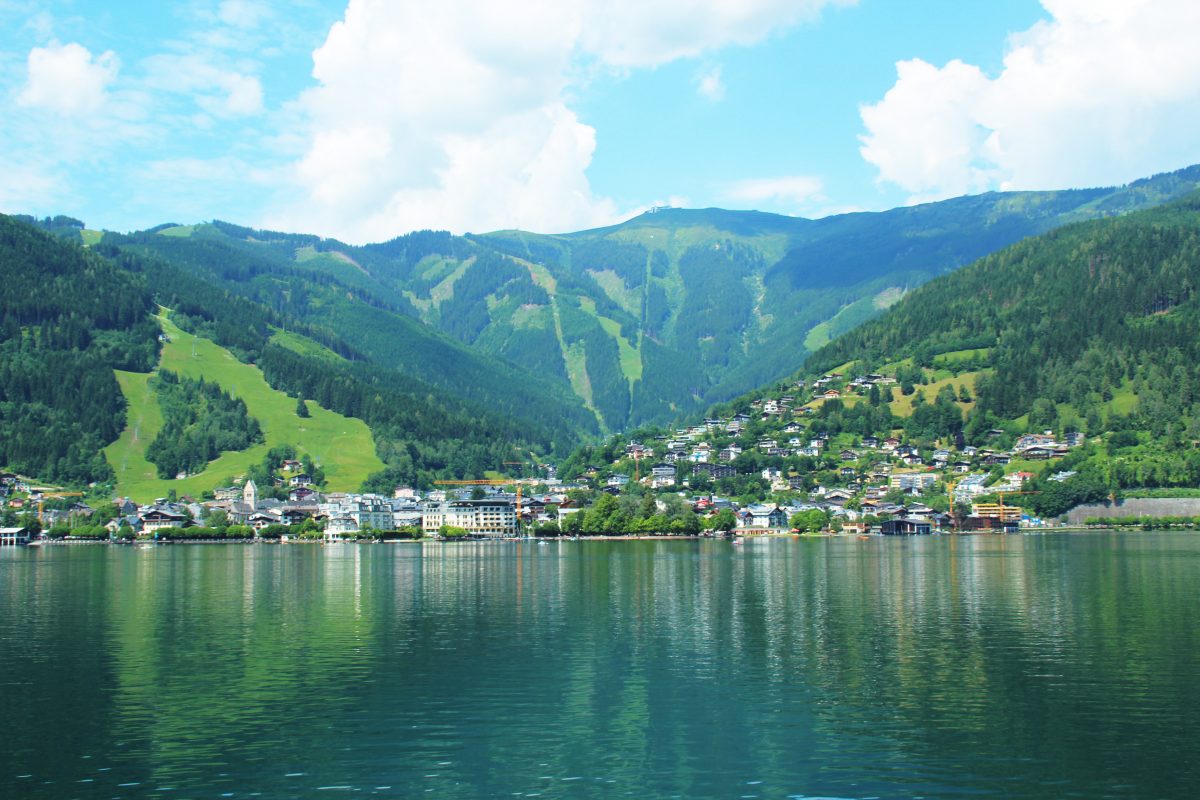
column 996, row 666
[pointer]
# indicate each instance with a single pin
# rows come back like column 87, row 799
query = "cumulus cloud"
column 1102, row 92
column 456, row 114
column 67, row 79
column 710, row 86
column 794, row 190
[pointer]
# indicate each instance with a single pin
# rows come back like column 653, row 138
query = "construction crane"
column 506, row 482
column 1001, row 510
column 1001, row 496
column 42, row 502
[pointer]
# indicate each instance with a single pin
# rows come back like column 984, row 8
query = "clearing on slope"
column 343, row 446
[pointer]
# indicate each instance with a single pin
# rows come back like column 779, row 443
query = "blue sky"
column 364, row 119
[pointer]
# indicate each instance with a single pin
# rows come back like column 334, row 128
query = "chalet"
column 714, row 471
column 618, row 480
column 261, row 519
column 158, row 518
column 662, row 475
column 870, row 441
column 301, row 493
column 767, row 444
column 227, row 493
column 294, row 514
column 941, row 457
column 302, row 479
column 810, row 451
column 848, row 455
column 1037, row 453
column 729, row 453
column 767, row 516
column 890, row 444
column 832, row 394
column 961, row 467
column 995, row 459
column 855, row 528
column 969, row 451
column 793, row 427
column 839, row 497
column 1074, row 439
column 847, row 472
column 713, row 424
column 292, row 465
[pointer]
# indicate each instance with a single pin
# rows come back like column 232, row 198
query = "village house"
column 763, row 517
column 662, row 475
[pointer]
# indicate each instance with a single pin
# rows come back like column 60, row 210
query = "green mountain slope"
column 1090, row 329
column 657, row 317
column 335, row 297
column 67, row 319
column 78, row 341
column 342, row 446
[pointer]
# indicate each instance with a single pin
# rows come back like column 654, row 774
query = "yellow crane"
column 42, row 501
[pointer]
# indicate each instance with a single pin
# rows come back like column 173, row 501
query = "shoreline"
column 599, row 538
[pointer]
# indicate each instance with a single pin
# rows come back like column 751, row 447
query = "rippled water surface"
column 1041, row 666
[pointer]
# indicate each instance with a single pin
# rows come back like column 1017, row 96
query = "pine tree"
column 302, row 408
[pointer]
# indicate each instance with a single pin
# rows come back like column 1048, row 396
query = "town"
column 774, row 468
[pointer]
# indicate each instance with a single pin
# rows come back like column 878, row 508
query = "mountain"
column 87, row 384
column 642, row 322
column 1079, row 328
column 1084, row 334
column 340, row 303
column 69, row 319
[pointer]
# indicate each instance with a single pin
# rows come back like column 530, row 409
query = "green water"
column 1041, row 666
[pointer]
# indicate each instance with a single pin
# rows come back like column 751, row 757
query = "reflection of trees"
column 907, row 665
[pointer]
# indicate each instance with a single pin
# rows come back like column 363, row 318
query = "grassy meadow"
column 343, row 446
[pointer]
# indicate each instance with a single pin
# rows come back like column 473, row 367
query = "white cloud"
column 794, row 190
column 454, row 115
column 635, row 33
column 67, row 79
column 1103, row 92
column 710, row 86
column 244, row 14
column 221, row 91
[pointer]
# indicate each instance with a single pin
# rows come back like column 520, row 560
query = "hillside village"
column 793, row 459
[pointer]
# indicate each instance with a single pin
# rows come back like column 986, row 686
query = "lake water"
column 1020, row 666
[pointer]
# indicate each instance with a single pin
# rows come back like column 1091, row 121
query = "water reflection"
column 1034, row 666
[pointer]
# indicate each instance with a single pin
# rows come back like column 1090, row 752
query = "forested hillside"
column 333, row 300
column 1090, row 329
column 645, row 321
column 73, row 316
column 68, row 318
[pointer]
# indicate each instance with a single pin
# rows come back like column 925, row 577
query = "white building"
column 492, row 517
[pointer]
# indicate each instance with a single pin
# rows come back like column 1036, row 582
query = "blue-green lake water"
column 1021, row 666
